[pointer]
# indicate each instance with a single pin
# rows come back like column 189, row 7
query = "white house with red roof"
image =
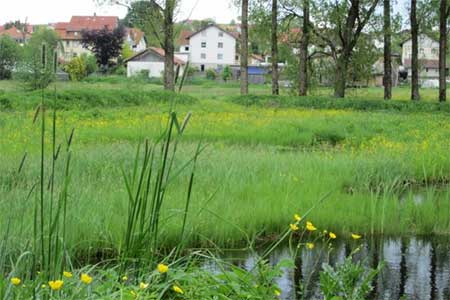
column 151, row 61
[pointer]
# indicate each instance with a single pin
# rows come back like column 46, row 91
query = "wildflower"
column 356, row 236
column 143, row 285
column 125, row 278
column 15, row 281
column 162, row 268
column 56, row 285
column 310, row 226
column 293, row 227
column 277, row 293
column 85, row 278
column 332, row 235
column 297, row 218
column 44, row 286
column 67, row 274
column 310, row 246
column 177, row 289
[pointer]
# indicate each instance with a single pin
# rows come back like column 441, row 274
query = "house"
column 20, row 36
column 428, row 57
column 209, row 48
column 377, row 78
column 150, row 60
column 256, row 60
column 136, row 39
column 70, row 33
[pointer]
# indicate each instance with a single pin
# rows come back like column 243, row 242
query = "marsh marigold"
column 15, row 281
column 310, row 246
column 310, row 226
column 356, row 236
column 162, row 268
column 332, row 235
column 177, row 289
column 297, row 217
column 56, row 285
column 67, row 274
column 293, row 227
column 85, row 278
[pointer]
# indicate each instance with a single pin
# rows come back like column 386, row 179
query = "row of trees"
column 336, row 28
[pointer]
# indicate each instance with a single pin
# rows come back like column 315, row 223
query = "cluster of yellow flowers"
column 56, row 285
column 310, row 227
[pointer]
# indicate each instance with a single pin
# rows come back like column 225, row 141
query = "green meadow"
column 262, row 162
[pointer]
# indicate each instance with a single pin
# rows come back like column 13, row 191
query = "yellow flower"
column 310, row 226
column 67, row 274
column 85, row 278
column 125, row 278
column 15, row 281
column 297, row 218
column 293, row 227
column 56, row 285
column 310, row 246
column 162, row 268
column 356, row 236
column 277, row 293
column 133, row 293
column 43, row 286
column 177, row 289
column 143, row 285
column 332, row 235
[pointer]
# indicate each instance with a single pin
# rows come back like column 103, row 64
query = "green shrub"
column 211, row 74
column 10, row 54
column 76, row 69
column 226, row 73
column 90, row 63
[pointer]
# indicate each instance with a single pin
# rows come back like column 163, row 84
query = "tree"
column 105, row 44
column 274, row 39
column 10, row 54
column 37, row 69
column 339, row 26
column 244, row 48
column 226, row 73
column 415, row 96
column 303, row 59
column 443, row 17
column 387, row 79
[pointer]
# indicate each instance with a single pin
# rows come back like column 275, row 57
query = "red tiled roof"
column 14, row 33
column 158, row 51
column 66, row 30
column 183, row 39
column 424, row 63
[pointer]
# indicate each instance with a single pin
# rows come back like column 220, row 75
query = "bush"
column 90, row 63
column 10, row 54
column 76, row 69
column 226, row 73
column 211, row 74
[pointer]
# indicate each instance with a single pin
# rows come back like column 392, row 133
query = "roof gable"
column 209, row 26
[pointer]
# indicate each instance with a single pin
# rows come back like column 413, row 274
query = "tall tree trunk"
column 443, row 51
column 169, row 49
column 340, row 81
column 303, row 63
column 387, row 79
column 244, row 48
column 275, row 86
column 415, row 53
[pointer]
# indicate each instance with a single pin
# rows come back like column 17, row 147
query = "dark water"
column 414, row 268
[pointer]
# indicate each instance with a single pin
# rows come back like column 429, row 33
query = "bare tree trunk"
column 415, row 53
column 443, row 51
column 244, row 48
column 303, row 63
column 169, row 49
column 340, row 81
column 275, row 86
column 387, row 79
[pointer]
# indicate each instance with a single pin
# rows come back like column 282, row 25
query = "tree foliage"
column 10, row 54
column 105, row 44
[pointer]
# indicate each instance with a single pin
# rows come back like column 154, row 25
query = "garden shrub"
column 76, row 69
column 211, row 74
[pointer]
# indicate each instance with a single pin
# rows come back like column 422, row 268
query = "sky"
column 50, row 11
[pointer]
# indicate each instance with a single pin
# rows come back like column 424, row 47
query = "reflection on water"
column 414, row 268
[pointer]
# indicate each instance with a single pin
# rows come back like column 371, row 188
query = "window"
column 236, row 57
column 220, row 34
column 186, row 48
column 202, row 68
column 426, row 70
column 203, row 56
column 67, row 43
column 75, row 33
column 220, row 45
column 203, row 44
column 220, row 56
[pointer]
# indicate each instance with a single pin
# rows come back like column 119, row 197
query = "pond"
column 415, row 268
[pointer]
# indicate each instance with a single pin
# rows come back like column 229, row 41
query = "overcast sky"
column 49, row 11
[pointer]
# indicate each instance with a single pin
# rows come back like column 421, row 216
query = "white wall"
column 428, row 49
column 211, row 36
column 155, row 69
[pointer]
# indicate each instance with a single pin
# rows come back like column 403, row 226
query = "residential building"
column 150, row 60
column 209, row 48
column 71, row 32
column 20, row 36
column 136, row 39
column 428, row 57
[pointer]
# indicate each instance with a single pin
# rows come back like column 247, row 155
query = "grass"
column 261, row 165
